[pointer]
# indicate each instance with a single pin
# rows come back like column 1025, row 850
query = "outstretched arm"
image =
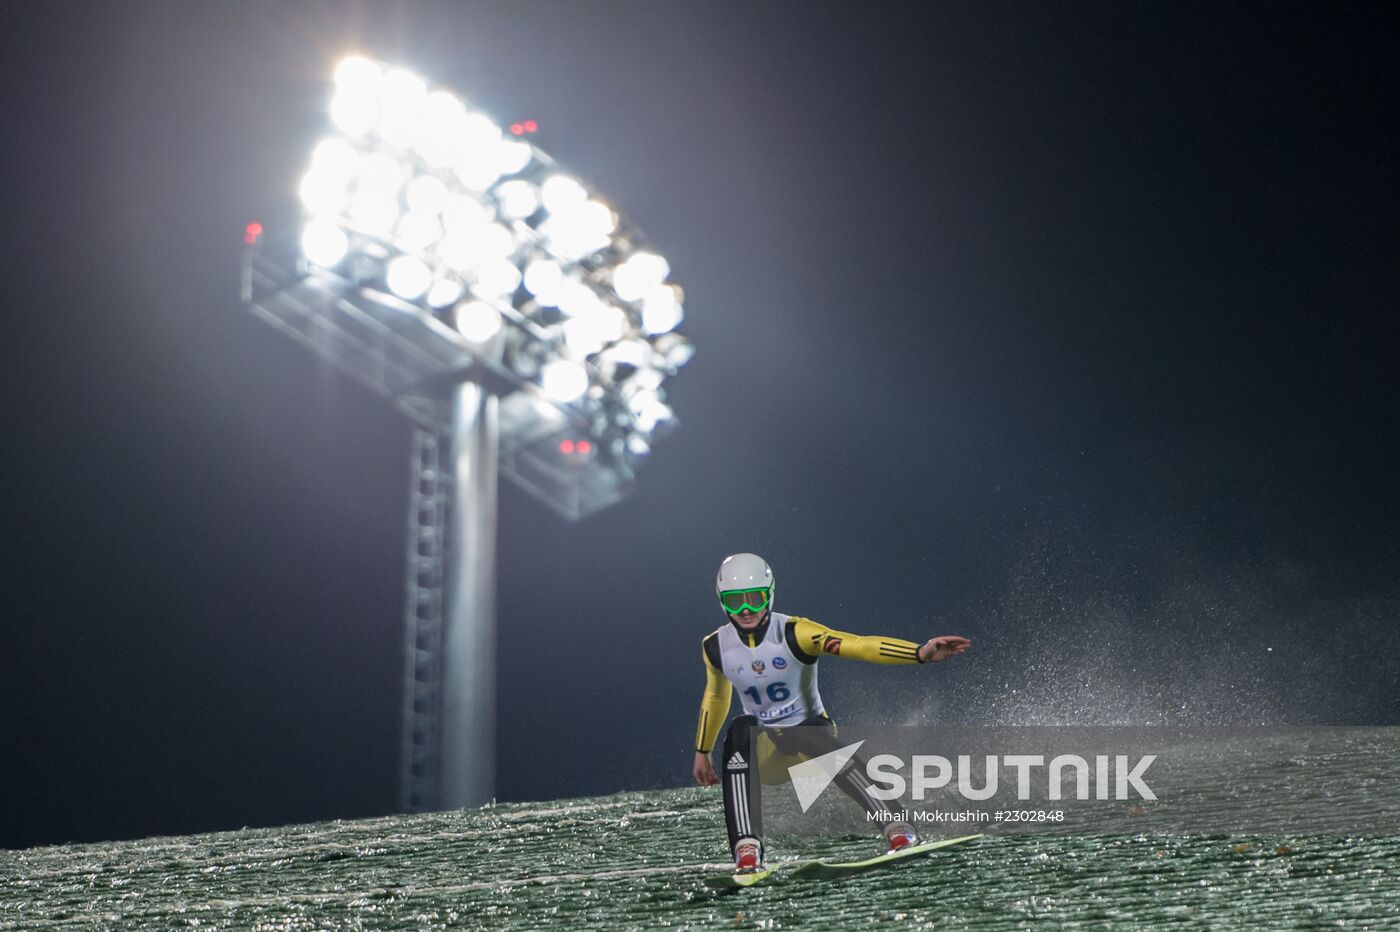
column 815, row 639
column 714, row 706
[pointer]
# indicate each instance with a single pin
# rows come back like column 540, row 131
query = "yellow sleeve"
column 714, row 705
column 817, row 639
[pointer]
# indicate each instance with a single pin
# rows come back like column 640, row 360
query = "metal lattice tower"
column 429, row 503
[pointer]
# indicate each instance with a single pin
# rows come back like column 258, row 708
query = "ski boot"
column 900, row 836
column 746, row 857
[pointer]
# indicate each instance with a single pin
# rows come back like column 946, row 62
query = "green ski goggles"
column 736, row 600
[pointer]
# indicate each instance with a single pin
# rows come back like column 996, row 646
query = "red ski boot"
column 746, row 858
column 901, row 837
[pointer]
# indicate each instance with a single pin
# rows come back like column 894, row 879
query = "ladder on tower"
column 428, row 514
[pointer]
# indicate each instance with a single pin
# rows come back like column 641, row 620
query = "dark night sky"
column 1068, row 327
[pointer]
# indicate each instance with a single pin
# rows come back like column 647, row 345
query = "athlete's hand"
column 703, row 770
column 941, row 648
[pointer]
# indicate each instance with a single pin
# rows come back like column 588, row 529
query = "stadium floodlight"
column 661, row 309
column 478, row 321
column 519, row 199
column 639, row 274
column 513, row 314
column 563, row 379
column 408, row 277
column 324, row 243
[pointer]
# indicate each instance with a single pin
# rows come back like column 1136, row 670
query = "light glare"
column 417, row 231
column 563, row 380
column 478, row 321
column 403, row 97
column 641, row 272
column 517, row 198
column 437, row 134
column 478, row 160
column 321, row 193
column 544, row 279
column 374, row 214
column 426, row 194
column 514, row 157
column 560, row 192
column 357, row 71
column 379, row 173
column 661, row 310
column 445, row 291
column 496, row 278
column 408, row 277
column 323, row 243
column 355, row 110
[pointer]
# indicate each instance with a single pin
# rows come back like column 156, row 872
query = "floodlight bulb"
column 456, row 252
column 465, row 216
column 641, row 272
column 574, row 230
column 408, row 277
column 355, row 106
column 416, row 231
column 478, row 147
column 563, row 380
column 675, row 349
column 478, row 321
column 355, row 110
column 661, row 310
column 595, row 327
column 611, row 322
column 379, row 173
column 436, row 136
column 645, row 379
column 496, row 278
column 374, row 214
column 576, row 299
column 323, row 243
column 403, row 96
column 357, row 71
column 445, row 291
column 595, row 217
column 582, row 336
column 560, row 193
column 639, row 399
column 496, row 241
column 518, row 199
column 651, row 414
column 321, row 193
column 543, row 279
column 630, row 352
column 427, row 194
column 336, row 158
column 514, row 156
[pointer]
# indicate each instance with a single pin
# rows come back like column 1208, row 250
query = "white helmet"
column 745, row 580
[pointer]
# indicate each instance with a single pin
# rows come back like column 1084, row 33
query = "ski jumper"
column 773, row 668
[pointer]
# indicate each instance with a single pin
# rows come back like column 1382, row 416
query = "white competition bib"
column 774, row 686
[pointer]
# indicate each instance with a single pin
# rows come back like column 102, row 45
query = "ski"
column 825, row 870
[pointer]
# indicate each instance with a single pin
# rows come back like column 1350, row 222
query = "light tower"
column 518, row 321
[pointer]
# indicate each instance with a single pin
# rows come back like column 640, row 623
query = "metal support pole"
column 469, row 658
